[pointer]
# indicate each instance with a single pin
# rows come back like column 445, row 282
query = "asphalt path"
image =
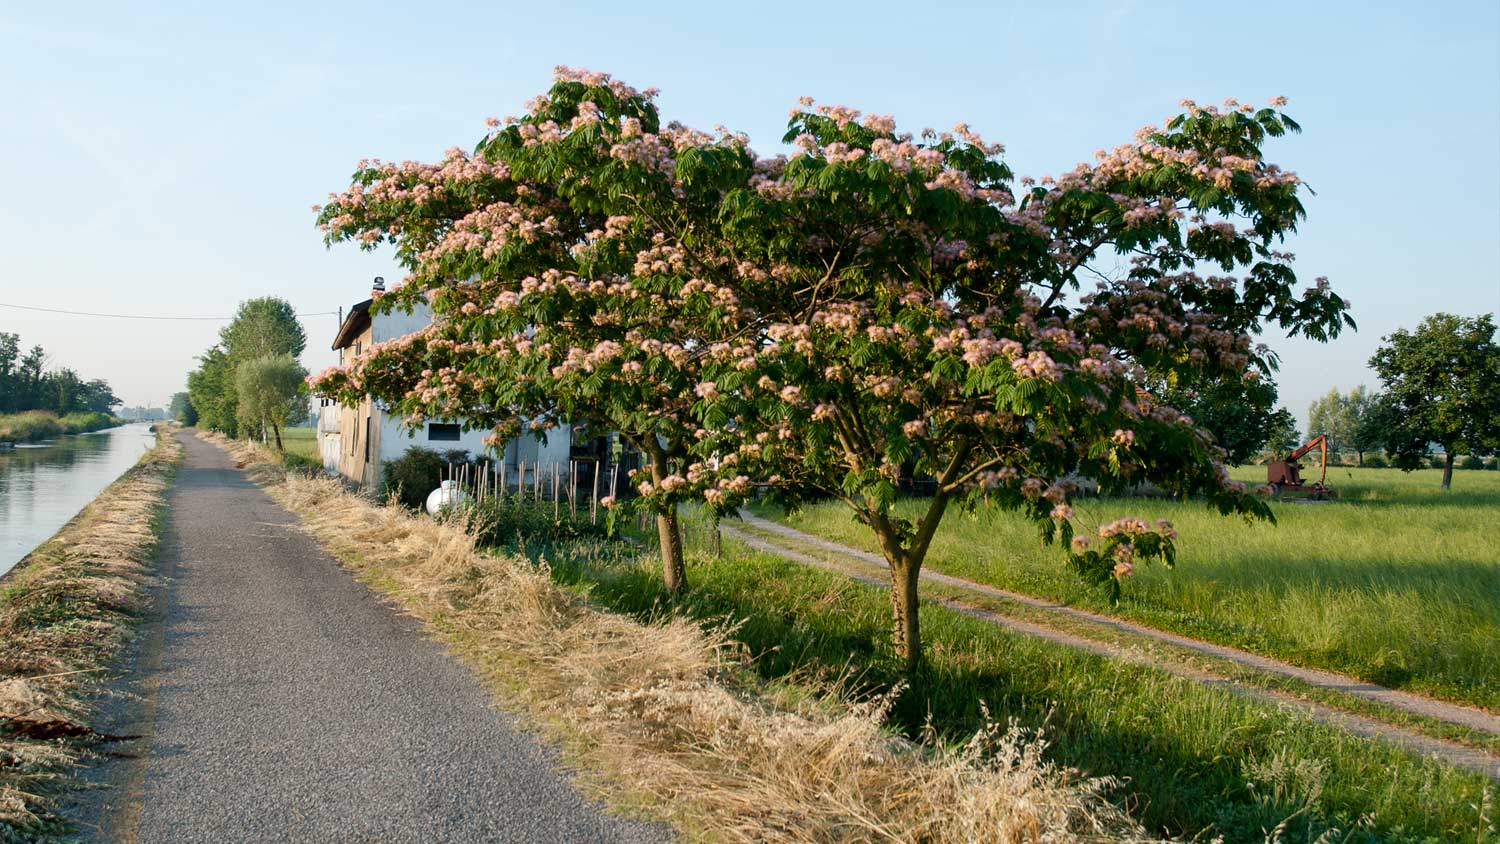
column 286, row 702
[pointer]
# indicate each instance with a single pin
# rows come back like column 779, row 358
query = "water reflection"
column 43, row 485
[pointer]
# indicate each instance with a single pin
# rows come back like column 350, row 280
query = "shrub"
column 416, row 473
column 29, row 426
column 35, row 425
column 1471, row 462
column 79, row 423
column 515, row 522
column 1437, row 462
column 1375, row 461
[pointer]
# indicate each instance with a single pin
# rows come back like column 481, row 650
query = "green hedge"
column 36, row 425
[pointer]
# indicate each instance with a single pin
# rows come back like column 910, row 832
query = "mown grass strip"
column 66, row 610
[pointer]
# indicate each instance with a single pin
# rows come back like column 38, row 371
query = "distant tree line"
column 27, row 384
column 249, row 383
column 1440, row 392
column 143, row 413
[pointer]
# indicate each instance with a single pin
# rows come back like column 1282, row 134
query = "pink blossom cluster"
column 596, row 79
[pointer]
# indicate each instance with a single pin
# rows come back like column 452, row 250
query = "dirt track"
column 792, row 544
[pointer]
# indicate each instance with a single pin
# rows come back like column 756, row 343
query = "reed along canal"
column 43, row 485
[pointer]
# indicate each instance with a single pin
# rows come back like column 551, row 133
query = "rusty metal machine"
column 1286, row 475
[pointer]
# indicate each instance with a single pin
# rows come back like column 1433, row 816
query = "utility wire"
column 140, row 316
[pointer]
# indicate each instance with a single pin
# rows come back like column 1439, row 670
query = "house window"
column 443, row 432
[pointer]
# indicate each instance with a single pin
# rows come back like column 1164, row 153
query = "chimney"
column 378, row 288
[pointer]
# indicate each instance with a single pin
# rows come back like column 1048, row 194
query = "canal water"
column 43, row 485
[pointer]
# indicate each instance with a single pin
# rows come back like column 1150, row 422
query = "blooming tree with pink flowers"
column 560, row 261
column 920, row 313
column 873, row 307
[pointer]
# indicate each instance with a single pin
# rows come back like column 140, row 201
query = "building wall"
column 395, row 439
column 356, row 441
column 395, row 324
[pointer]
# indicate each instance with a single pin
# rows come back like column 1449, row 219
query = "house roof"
column 354, row 325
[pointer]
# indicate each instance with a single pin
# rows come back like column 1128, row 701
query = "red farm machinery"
column 1285, row 476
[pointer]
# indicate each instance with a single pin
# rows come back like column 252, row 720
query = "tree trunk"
column 669, row 537
column 276, row 428
column 668, row 527
column 1447, row 469
column 904, row 556
column 1361, row 454
column 906, row 629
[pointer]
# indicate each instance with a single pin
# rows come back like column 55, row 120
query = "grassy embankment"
column 670, row 717
column 1394, row 583
column 65, row 612
column 36, row 425
column 1190, row 757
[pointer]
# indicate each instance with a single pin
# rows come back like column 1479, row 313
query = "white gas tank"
column 447, row 495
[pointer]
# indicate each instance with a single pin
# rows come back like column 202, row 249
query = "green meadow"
column 1396, row 582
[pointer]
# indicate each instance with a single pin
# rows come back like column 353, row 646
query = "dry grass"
column 65, row 611
column 665, row 714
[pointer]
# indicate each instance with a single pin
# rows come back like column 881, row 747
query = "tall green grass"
column 34, row 425
column 302, row 441
column 1396, row 582
column 301, row 444
column 1191, row 758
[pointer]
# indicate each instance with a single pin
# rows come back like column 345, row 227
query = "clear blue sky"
column 162, row 159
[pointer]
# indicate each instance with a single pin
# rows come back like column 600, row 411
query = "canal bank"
column 44, row 484
column 67, row 611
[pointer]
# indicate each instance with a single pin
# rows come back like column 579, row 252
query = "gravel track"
column 292, row 704
column 867, row 568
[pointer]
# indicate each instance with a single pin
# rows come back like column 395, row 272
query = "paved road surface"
column 290, row 704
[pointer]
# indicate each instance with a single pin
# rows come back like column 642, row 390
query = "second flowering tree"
column 922, row 315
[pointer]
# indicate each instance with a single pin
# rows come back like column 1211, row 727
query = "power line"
column 140, row 316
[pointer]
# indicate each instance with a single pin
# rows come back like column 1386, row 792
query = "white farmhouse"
column 357, row 441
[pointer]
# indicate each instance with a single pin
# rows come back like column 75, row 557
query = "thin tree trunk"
column 277, row 429
column 904, row 556
column 668, row 527
column 1361, row 454
column 906, row 630
column 669, row 536
column 1447, row 469
column 905, row 568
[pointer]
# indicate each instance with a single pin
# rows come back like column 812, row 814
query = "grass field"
column 1397, row 582
column 303, row 442
column 1189, row 758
